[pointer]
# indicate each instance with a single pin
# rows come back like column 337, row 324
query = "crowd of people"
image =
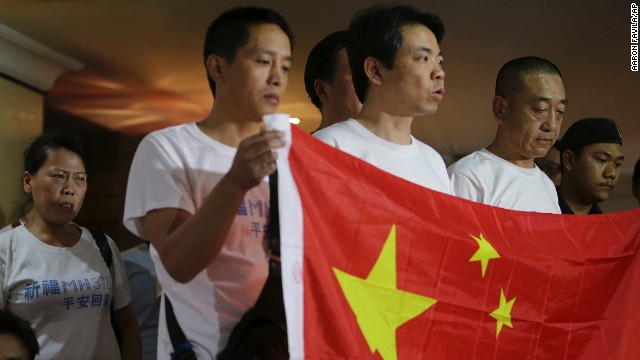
column 198, row 193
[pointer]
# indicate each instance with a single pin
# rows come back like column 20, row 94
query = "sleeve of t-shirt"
column 463, row 186
column 326, row 137
column 157, row 179
column 121, row 292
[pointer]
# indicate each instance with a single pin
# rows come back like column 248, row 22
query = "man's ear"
column 320, row 87
column 26, row 182
column 214, row 68
column 567, row 157
column 499, row 106
column 372, row 69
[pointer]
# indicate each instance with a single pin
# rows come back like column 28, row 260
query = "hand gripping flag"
column 375, row 267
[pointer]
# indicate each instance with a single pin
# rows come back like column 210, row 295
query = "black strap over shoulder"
column 105, row 250
column 103, row 245
column 274, row 215
column 181, row 346
column 262, row 331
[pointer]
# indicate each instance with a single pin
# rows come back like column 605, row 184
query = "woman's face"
column 58, row 187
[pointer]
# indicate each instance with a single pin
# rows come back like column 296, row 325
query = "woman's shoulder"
column 11, row 239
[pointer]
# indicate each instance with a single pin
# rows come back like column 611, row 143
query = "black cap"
column 590, row 131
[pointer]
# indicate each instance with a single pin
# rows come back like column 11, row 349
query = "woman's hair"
column 38, row 152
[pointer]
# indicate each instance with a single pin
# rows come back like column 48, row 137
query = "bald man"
column 529, row 103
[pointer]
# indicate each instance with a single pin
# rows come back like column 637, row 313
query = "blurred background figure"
column 591, row 156
column 17, row 339
column 550, row 164
column 327, row 79
column 145, row 296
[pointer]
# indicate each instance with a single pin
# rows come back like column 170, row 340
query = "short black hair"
column 322, row 63
column 38, row 152
column 510, row 77
column 11, row 324
column 377, row 32
column 230, row 31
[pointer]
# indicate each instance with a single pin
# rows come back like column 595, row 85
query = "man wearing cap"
column 528, row 105
column 591, row 157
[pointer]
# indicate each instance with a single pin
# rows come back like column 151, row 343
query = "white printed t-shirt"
column 177, row 167
column 488, row 179
column 64, row 292
column 417, row 162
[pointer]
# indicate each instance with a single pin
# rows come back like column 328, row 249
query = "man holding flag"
column 375, row 267
column 197, row 192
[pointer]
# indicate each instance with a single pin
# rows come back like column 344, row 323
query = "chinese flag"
column 375, row 267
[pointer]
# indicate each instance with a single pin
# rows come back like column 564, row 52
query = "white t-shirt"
column 65, row 293
column 6, row 228
column 10, row 226
column 486, row 178
column 417, row 162
column 177, row 167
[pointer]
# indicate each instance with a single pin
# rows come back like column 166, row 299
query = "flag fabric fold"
column 375, row 267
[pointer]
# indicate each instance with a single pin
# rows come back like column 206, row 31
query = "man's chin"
column 601, row 195
column 428, row 111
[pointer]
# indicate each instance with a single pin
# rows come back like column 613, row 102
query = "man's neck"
column 392, row 128
column 228, row 129
column 573, row 199
column 504, row 151
column 579, row 209
column 327, row 121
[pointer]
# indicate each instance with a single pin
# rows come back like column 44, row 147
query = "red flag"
column 375, row 267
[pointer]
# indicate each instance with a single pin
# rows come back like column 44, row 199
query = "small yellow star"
column 380, row 308
column 503, row 313
column 485, row 252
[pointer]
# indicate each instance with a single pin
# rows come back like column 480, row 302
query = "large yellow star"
column 380, row 308
column 503, row 313
column 485, row 252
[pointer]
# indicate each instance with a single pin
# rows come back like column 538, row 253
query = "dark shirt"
column 566, row 209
